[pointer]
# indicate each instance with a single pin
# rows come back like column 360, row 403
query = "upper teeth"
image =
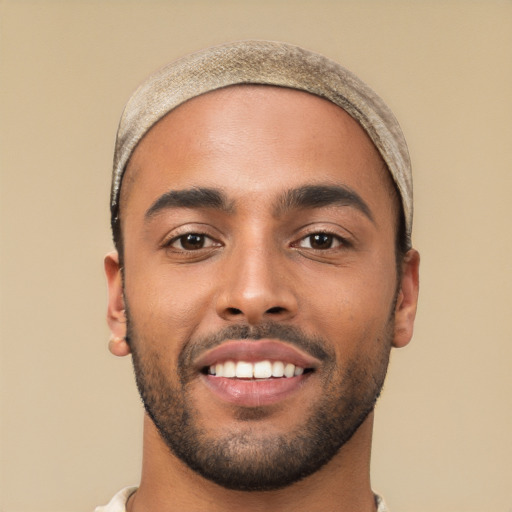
column 257, row 370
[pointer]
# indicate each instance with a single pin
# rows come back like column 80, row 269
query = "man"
column 262, row 212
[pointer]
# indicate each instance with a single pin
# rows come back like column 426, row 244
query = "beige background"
column 70, row 415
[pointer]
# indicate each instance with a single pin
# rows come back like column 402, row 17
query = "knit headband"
column 266, row 63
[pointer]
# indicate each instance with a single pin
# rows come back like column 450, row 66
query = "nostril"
column 234, row 311
column 275, row 310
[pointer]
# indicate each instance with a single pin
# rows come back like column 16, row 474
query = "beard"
column 250, row 458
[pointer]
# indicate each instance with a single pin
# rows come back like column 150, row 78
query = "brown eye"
column 320, row 241
column 191, row 242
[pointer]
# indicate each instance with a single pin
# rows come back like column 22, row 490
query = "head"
column 261, row 231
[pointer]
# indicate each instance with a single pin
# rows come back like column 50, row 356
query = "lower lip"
column 254, row 393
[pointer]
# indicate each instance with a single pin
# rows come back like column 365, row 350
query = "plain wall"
column 70, row 414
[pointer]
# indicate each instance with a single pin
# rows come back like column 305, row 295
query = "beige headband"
column 270, row 63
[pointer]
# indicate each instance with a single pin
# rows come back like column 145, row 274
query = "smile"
column 255, row 373
column 255, row 370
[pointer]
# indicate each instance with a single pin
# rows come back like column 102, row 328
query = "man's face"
column 259, row 233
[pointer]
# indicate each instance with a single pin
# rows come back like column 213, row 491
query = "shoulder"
column 118, row 502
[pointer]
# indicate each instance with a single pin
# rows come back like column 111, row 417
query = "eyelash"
column 335, row 241
column 182, row 237
column 331, row 239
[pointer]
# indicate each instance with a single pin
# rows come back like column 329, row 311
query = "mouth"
column 259, row 370
column 252, row 373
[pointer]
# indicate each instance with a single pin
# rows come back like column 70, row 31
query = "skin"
column 254, row 144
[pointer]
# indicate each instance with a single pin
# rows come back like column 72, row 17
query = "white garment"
column 118, row 502
column 381, row 506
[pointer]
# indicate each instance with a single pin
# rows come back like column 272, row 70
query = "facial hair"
column 251, row 459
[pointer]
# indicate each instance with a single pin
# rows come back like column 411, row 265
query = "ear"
column 407, row 300
column 116, row 316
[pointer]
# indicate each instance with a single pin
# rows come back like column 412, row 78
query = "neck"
column 342, row 485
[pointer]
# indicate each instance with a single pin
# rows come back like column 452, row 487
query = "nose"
column 256, row 287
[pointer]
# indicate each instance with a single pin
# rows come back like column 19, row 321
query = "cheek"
column 164, row 310
column 350, row 306
column 347, row 293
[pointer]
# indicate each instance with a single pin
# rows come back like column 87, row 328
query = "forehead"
column 241, row 133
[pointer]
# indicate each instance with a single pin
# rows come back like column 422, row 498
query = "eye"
column 320, row 241
column 192, row 242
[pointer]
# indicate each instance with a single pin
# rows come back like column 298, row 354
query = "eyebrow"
column 307, row 196
column 319, row 196
column 196, row 197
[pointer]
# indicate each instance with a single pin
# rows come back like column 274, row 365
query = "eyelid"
column 172, row 241
column 190, row 229
column 340, row 241
column 343, row 235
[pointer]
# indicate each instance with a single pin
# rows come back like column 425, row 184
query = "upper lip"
column 256, row 350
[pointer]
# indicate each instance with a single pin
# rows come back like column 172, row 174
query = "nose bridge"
column 255, row 286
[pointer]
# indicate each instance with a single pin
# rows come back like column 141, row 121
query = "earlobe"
column 118, row 347
column 116, row 315
column 407, row 300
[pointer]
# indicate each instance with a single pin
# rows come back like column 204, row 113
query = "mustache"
column 315, row 346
